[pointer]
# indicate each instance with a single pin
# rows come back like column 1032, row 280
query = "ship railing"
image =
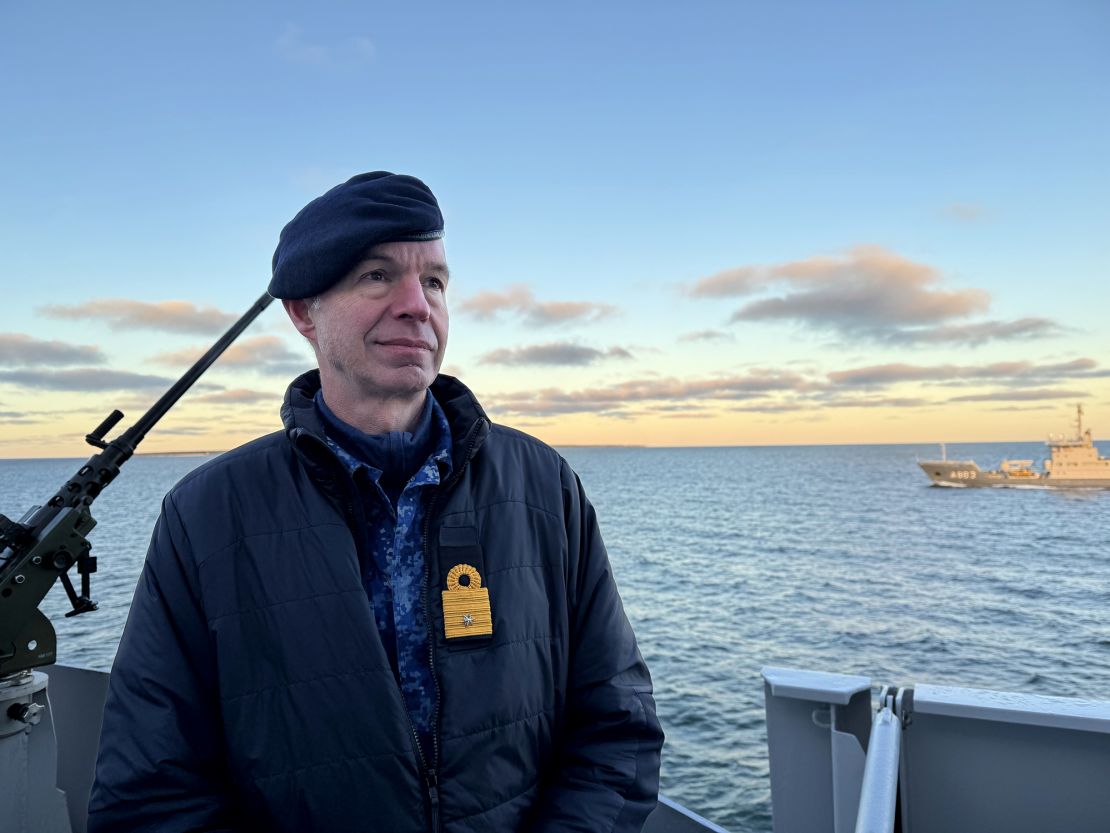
column 933, row 759
column 878, row 797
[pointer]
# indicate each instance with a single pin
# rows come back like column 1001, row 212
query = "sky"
column 709, row 223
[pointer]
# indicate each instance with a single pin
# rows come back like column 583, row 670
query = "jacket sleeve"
column 608, row 775
column 162, row 763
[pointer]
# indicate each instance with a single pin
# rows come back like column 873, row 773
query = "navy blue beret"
column 331, row 234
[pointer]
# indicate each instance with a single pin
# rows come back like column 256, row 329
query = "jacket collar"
column 468, row 421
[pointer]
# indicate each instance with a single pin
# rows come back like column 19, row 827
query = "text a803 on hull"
column 966, row 473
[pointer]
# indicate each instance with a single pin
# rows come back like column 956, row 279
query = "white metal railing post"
column 879, row 792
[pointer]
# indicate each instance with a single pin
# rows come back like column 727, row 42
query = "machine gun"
column 48, row 540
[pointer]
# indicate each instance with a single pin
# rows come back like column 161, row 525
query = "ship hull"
column 966, row 474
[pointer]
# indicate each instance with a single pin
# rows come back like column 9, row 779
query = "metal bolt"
column 29, row 713
column 37, row 560
column 20, row 579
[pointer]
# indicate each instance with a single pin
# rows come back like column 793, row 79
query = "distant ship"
column 1074, row 464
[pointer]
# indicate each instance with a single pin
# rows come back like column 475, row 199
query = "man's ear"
column 300, row 313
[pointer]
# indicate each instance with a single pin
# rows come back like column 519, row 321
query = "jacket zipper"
column 430, row 773
column 431, row 778
column 433, row 798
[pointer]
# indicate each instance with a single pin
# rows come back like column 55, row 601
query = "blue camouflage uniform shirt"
column 396, row 474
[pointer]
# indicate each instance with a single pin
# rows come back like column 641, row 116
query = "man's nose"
column 409, row 300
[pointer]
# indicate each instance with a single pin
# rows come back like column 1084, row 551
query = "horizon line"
column 557, row 446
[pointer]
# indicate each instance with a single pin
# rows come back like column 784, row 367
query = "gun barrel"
column 135, row 434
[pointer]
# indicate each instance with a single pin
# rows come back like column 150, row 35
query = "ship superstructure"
column 1074, row 463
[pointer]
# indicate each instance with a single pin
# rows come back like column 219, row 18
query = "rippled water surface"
column 834, row 558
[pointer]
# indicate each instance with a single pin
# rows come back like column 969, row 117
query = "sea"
column 829, row 558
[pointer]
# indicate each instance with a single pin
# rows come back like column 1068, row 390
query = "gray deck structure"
column 32, row 801
column 922, row 759
column 932, row 759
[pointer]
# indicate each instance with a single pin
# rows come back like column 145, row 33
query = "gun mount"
column 47, row 541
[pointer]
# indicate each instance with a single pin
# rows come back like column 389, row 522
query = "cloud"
column 1015, row 372
column 20, row 349
column 615, row 399
column 265, row 350
column 1034, row 395
column 772, row 390
column 486, row 305
column 84, row 379
column 238, row 396
column 866, row 289
column 728, row 284
column 559, row 353
column 95, row 413
column 977, row 333
column 867, row 292
column 266, row 354
column 292, row 45
column 182, row 431
column 518, row 299
column 877, row 402
column 681, row 407
column 706, row 335
column 770, row 407
column 820, row 400
column 163, row 316
column 564, row 312
column 20, row 418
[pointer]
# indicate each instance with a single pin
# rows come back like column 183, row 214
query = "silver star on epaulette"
column 468, row 620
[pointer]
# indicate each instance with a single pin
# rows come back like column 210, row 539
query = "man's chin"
column 401, row 382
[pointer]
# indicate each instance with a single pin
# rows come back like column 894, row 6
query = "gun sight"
column 96, row 438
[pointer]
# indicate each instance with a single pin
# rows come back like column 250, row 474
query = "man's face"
column 382, row 330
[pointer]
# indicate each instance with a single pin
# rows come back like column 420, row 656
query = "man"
column 392, row 615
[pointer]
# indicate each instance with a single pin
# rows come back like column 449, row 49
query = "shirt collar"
column 397, row 453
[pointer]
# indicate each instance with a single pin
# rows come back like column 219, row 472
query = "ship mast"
column 1079, row 420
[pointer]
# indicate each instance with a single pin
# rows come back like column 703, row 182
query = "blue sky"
column 605, row 155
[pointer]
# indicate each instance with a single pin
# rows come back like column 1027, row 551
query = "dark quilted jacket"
column 251, row 690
